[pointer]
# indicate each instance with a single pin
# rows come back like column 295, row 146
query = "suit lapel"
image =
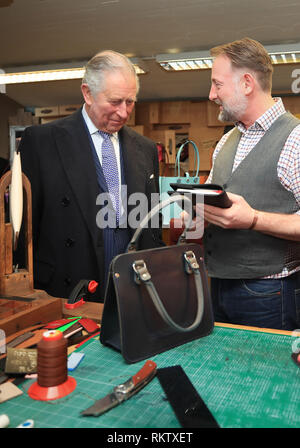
column 132, row 162
column 76, row 157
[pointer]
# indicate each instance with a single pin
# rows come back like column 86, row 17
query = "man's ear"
column 248, row 83
column 86, row 94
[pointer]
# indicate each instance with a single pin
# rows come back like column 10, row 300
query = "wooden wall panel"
column 167, row 120
column 174, row 112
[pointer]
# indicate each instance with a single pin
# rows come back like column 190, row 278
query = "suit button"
column 208, row 252
column 65, row 201
column 67, row 281
column 69, row 242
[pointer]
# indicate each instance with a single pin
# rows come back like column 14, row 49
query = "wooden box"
column 19, row 314
column 51, row 111
column 68, row 110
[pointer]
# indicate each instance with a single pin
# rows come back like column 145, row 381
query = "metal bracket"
column 141, row 271
column 191, row 264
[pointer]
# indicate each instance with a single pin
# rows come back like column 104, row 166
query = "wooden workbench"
column 41, row 308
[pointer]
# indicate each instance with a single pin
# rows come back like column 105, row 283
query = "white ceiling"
column 36, row 32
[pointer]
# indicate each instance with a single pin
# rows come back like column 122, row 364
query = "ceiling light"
column 274, row 59
column 284, row 54
column 38, row 74
column 201, row 60
column 185, row 61
column 139, row 66
column 288, row 57
column 44, row 75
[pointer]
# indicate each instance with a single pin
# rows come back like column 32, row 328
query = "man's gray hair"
column 103, row 63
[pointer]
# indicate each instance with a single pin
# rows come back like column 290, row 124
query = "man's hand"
column 239, row 216
column 242, row 216
column 196, row 228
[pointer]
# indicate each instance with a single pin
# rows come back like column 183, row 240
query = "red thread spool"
column 53, row 381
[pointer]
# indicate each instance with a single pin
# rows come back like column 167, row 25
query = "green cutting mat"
column 246, row 378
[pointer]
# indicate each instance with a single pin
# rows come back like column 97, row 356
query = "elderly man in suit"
column 66, row 162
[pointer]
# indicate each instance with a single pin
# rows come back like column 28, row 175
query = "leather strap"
column 255, row 218
column 197, row 158
column 174, row 198
column 189, row 408
column 192, row 267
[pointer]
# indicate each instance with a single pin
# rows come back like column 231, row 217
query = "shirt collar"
column 265, row 121
column 90, row 125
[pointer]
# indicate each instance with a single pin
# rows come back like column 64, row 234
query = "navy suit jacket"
column 58, row 160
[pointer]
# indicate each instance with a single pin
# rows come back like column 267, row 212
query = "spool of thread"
column 52, row 372
column 52, row 355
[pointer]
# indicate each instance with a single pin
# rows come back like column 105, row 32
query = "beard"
column 234, row 109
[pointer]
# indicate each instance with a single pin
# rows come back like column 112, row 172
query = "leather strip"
column 189, row 408
column 24, row 330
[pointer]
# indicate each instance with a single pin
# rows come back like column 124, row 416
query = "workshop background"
column 173, row 104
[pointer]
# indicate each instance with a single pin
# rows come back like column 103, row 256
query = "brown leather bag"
column 156, row 299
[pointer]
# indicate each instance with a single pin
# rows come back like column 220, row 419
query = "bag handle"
column 174, row 198
column 196, row 152
column 192, row 267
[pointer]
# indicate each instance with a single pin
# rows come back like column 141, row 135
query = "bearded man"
column 252, row 249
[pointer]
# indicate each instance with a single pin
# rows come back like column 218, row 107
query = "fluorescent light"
column 185, row 61
column 200, row 63
column 274, row 59
column 139, row 66
column 139, row 70
column 287, row 57
column 175, row 66
column 39, row 74
column 44, row 75
column 201, row 60
column 192, row 64
column 285, row 53
column 208, row 62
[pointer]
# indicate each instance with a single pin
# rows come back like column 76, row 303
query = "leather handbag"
column 173, row 211
column 156, row 299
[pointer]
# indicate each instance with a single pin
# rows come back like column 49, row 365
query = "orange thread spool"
column 52, row 372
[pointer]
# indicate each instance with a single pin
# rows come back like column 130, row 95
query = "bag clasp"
column 141, row 271
column 191, row 264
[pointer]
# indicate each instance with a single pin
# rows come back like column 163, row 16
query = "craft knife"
column 123, row 391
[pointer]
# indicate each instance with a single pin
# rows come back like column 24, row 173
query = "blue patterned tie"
column 110, row 170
